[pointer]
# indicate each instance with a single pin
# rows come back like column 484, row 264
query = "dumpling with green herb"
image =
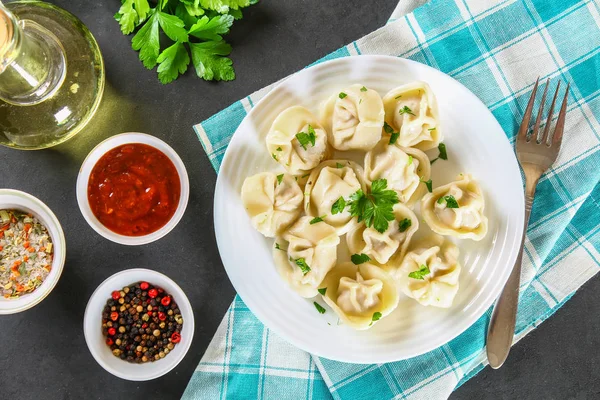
column 456, row 209
column 353, row 118
column 272, row 201
column 411, row 112
column 305, row 254
column 328, row 191
column 297, row 140
column 381, row 246
column 429, row 273
column 360, row 294
column 405, row 170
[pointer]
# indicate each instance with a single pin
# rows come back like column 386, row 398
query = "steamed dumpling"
column 464, row 219
column 353, row 118
column 412, row 110
column 272, row 201
column 305, row 254
column 297, row 140
column 330, row 181
column 429, row 273
column 382, row 246
column 360, row 294
column 403, row 168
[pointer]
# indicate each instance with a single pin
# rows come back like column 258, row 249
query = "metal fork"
column 535, row 155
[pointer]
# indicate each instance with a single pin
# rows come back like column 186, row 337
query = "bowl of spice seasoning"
column 138, row 324
column 32, row 251
column 132, row 188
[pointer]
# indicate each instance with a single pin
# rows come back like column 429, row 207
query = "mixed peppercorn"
column 141, row 323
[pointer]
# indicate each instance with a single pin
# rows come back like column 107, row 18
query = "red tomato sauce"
column 134, row 189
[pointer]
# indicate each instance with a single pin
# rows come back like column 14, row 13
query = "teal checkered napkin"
column 496, row 49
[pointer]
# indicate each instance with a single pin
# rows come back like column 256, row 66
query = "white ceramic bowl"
column 95, row 155
column 92, row 326
column 17, row 200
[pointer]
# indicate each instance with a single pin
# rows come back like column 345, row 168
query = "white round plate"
column 476, row 144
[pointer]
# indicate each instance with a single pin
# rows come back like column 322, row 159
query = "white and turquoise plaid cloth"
column 497, row 49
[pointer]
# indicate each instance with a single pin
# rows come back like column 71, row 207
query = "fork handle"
column 502, row 324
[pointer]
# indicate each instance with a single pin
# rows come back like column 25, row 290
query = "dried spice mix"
column 26, row 253
column 141, row 323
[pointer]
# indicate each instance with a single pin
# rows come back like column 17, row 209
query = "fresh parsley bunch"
column 195, row 26
column 376, row 207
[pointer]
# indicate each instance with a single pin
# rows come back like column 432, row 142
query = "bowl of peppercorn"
column 138, row 324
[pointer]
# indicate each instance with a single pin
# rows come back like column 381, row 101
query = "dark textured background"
column 42, row 351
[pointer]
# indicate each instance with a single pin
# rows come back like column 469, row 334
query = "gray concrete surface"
column 42, row 351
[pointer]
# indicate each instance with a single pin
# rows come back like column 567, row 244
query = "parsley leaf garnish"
column 379, row 188
column 376, row 316
column 173, row 61
column 406, row 110
column 274, row 156
column 410, row 159
column 342, row 95
column 358, row 259
column 146, row 40
column 338, row 206
column 357, row 204
column 363, row 89
column 375, row 208
column 278, row 247
column 319, row 308
column 279, row 178
column 279, row 148
column 129, row 17
column 338, row 165
column 429, row 185
column 211, row 28
column 306, row 138
column 317, row 219
column 442, row 148
column 404, row 224
column 431, row 129
column 301, row 262
column 450, row 201
column 188, row 19
column 397, row 97
column 443, row 155
column 210, row 62
column 322, row 291
column 387, row 128
column 420, row 274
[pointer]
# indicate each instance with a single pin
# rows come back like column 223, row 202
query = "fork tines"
column 560, row 122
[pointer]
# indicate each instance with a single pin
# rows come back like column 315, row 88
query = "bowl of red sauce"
column 132, row 188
